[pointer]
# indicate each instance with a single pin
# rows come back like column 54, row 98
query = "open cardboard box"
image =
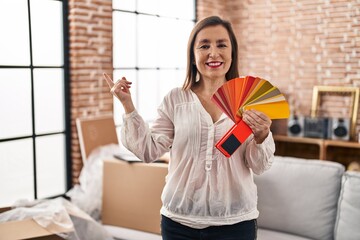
column 132, row 194
column 24, row 229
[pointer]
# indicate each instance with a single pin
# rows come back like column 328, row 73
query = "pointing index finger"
column 108, row 80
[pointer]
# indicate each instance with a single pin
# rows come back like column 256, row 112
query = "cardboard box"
column 132, row 194
column 95, row 132
column 24, row 229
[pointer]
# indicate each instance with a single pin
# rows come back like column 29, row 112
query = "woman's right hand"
column 121, row 90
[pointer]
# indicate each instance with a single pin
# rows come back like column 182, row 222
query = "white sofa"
column 302, row 199
column 298, row 199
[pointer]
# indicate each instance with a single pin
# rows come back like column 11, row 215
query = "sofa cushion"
column 265, row 234
column 348, row 218
column 300, row 196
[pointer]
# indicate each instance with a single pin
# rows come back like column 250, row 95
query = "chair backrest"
column 95, row 132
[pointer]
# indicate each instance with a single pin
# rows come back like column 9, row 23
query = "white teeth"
column 214, row 64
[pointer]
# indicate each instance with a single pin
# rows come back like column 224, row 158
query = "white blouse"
column 203, row 188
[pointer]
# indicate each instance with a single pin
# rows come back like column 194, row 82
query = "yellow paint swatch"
column 240, row 94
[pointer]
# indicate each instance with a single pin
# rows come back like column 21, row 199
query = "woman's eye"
column 204, row 46
column 222, row 46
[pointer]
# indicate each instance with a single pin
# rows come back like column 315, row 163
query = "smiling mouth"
column 214, row 64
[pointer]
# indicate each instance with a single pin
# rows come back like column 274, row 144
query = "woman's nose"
column 213, row 53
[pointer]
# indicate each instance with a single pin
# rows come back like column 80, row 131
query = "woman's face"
column 212, row 51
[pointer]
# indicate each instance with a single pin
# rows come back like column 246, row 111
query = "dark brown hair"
column 191, row 69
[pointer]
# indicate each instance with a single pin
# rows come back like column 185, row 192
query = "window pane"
column 156, row 50
column 16, row 171
column 50, row 164
column 167, row 43
column 49, row 100
column 182, row 36
column 168, row 80
column 124, row 44
column 118, row 108
column 184, row 9
column 172, row 43
column 14, row 41
column 47, row 33
column 148, row 6
column 148, row 37
column 15, row 88
column 148, row 94
column 128, row 5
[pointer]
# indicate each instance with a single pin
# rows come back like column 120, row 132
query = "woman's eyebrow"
column 222, row 40
column 202, row 41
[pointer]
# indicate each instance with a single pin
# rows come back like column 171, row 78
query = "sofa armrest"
column 348, row 217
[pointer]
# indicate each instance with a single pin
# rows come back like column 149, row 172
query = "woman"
column 206, row 195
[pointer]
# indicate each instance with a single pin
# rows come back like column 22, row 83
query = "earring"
column 197, row 78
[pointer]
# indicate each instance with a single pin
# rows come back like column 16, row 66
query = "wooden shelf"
column 343, row 152
column 341, row 144
column 298, row 139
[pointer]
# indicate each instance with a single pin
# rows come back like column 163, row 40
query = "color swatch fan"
column 240, row 94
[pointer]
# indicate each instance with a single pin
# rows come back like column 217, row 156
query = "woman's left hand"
column 259, row 124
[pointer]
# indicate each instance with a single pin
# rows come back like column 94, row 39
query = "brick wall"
column 90, row 25
column 296, row 44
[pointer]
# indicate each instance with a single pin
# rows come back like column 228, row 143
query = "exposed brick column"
column 90, row 26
